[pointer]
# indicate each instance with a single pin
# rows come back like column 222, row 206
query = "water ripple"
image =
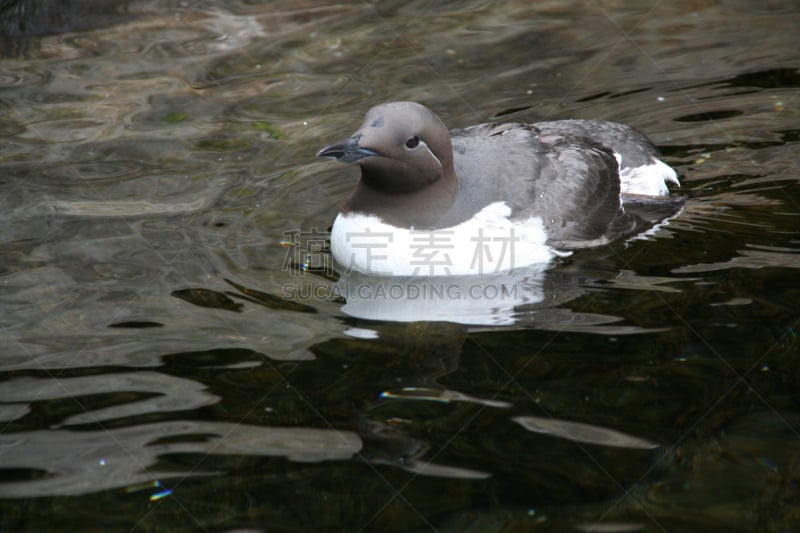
column 586, row 433
column 83, row 462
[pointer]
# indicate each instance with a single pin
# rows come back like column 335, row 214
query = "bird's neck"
column 423, row 209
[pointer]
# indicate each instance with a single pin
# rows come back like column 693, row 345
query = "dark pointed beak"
column 347, row 151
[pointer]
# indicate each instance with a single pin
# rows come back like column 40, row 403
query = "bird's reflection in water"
column 532, row 297
column 489, row 300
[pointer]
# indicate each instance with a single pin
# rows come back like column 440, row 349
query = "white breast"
column 489, row 242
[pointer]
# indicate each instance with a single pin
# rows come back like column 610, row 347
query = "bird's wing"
column 577, row 193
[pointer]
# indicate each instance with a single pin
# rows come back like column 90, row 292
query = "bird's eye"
column 412, row 142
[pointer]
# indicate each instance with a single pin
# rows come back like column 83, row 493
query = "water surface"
column 167, row 364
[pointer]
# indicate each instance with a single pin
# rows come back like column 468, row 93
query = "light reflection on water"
column 150, row 168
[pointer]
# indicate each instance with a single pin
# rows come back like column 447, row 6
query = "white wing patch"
column 647, row 180
column 489, row 242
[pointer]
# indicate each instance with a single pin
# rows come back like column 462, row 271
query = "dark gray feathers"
column 571, row 182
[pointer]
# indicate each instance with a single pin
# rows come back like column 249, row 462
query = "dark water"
column 166, row 365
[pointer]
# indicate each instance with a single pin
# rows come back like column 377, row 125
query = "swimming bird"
column 491, row 197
